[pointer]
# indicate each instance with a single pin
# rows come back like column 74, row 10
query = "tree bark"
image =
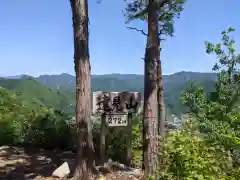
column 150, row 110
column 85, row 149
column 160, row 96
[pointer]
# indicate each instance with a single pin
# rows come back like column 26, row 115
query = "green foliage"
column 22, row 123
column 137, row 141
column 137, row 9
column 194, row 98
column 225, row 52
column 221, row 107
column 43, row 127
column 217, row 114
column 186, row 155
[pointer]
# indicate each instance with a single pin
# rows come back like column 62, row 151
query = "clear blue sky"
column 36, row 37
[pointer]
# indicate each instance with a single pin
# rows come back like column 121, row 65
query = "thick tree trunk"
column 150, row 120
column 85, row 151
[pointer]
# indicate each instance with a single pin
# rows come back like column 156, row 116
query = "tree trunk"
column 85, row 149
column 160, row 96
column 150, row 124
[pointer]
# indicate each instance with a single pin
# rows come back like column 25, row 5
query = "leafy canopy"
column 136, row 10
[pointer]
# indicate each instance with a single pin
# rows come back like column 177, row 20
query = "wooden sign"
column 115, row 109
column 115, row 102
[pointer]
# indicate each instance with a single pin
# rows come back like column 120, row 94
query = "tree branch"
column 139, row 30
column 144, row 33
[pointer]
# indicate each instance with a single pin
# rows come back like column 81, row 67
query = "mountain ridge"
column 173, row 84
column 179, row 72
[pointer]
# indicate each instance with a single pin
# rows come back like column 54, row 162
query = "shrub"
column 185, row 154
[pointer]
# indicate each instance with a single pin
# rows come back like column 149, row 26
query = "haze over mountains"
column 49, row 89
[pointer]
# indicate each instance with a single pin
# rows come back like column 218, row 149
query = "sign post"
column 116, row 109
column 103, row 132
column 129, row 140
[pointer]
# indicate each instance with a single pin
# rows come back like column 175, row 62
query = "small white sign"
column 114, row 120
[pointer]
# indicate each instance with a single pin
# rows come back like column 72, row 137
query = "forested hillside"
column 173, row 84
column 58, row 90
column 64, row 97
column 29, row 90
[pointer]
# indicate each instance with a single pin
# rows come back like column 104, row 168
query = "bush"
column 7, row 133
column 185, row 154
column 22, row 124
column 47, row 130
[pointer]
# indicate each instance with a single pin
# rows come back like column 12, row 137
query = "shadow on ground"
column 29, row 163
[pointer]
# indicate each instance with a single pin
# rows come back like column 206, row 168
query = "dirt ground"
column 28, row 163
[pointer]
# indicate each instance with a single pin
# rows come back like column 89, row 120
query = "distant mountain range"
column 123, row 82
column 14, row 77
column 173, row 84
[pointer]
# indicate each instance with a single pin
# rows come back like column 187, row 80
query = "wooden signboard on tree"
column 115, row 110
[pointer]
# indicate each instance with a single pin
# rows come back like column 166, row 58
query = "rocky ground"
column 18, row 163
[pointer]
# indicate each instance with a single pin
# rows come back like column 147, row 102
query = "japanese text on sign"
column 116, row 102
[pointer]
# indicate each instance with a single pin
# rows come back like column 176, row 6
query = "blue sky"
column 36, row 37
